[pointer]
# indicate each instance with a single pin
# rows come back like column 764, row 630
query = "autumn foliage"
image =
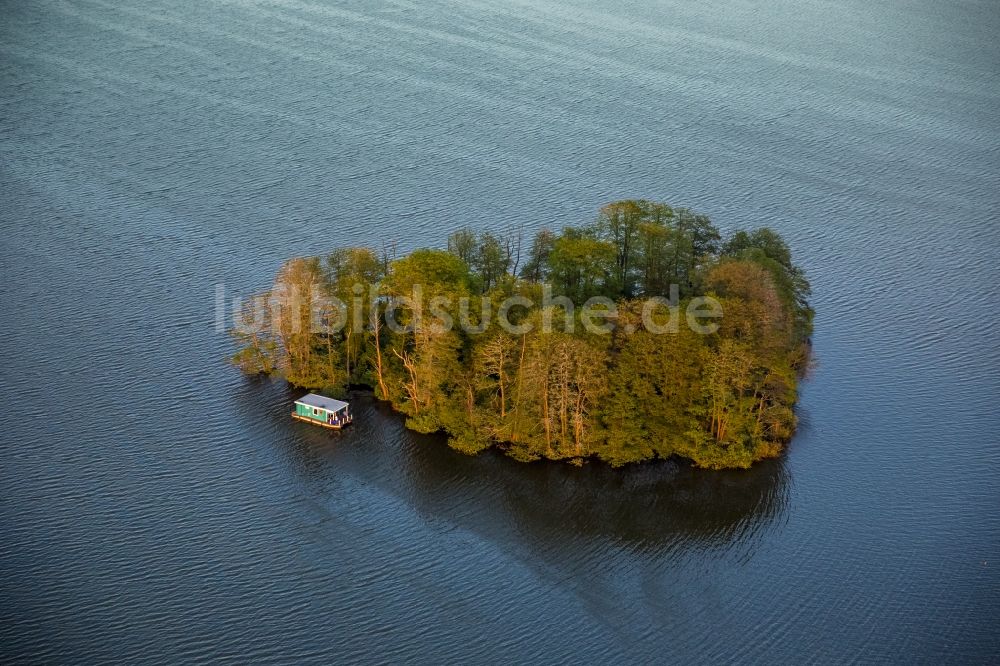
column 723, row 399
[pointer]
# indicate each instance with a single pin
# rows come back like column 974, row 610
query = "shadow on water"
column 653, row 507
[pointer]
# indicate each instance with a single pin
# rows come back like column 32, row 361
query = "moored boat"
column 323, row 411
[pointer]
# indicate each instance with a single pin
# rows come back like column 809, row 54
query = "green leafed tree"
column 722, row 397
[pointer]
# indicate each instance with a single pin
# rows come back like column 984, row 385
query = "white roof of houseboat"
column 323, row 402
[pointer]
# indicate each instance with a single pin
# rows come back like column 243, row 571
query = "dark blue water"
column 158, row 507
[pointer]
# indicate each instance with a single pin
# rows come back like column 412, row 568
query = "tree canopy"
column 415, row 331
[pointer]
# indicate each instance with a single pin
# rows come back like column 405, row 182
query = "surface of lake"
column 157, row 506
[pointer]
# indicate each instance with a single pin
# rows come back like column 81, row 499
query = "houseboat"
column 322, row 411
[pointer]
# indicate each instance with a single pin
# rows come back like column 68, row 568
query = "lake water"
column 158, row 507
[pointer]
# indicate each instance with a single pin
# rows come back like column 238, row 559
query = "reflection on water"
column 648, row 508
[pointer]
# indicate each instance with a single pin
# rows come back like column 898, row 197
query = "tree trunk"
column 376, row 329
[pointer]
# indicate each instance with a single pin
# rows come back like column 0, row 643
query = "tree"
column 492, row 261
column 301, row 314
column 753, row 307
column 582, row 266
column 561, row 379
column 512, row 247
column 426, row 346
column 439, row 272
column 536, row 268
column 619, row 224
column 654, row 244
column 694, row 242
column 766, row 247
column 257, row 350
column 464, row 245
column 379, row 363
column 764, row 239
column 653, row 389
column 351, row 275
column 495, row 359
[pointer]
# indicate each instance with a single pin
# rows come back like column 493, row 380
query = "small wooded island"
column 641, row 335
